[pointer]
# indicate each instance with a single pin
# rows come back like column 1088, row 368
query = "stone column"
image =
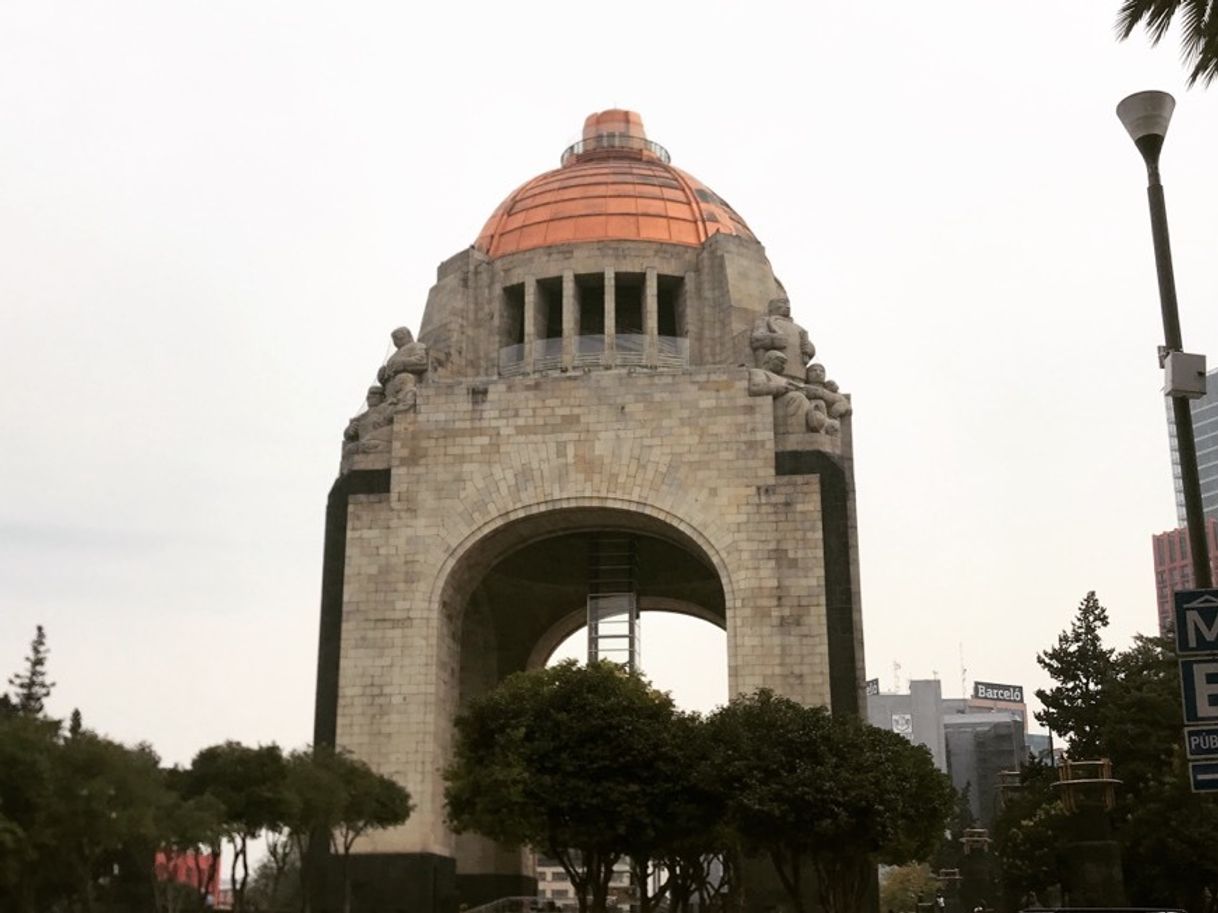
column 610, row 356
column 530, row 321
column 688, row 292
column 570, row 319
column 651, row 316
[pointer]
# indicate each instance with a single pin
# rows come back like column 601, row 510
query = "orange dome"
column 614, row 185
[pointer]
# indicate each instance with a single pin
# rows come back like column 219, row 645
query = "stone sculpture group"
column 805, row 400
column 372, row 430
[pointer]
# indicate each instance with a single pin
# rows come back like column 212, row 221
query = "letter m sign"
column 1196, row 621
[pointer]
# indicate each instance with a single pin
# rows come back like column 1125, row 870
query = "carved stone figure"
column 371, row 430
column 410, row 358
column 794, row 412
column 778, row 332
column 820, row 388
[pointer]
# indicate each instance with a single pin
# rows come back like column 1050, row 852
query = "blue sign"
column 1201, row 742
column 1199, row 686
column 1196, row 621
column 1204, row 775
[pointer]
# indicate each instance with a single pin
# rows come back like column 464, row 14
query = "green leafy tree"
column 107, row 802
column 808, row 788
column 31, row 687
column 274, row 887
column 1079, row 665
column 564, row 760
column 338, row 798
column 315, row 804
column 189, row 829
column 370, row 802
column 27, row 795
column 1198, row 30
column 1130, row 714
column 1163, row 827
column 249, row 784
column 902, row 887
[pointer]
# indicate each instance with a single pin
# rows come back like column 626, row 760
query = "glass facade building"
column 1205, row 429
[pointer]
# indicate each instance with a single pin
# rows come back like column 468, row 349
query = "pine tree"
column 31, row 688
column 1079, row 665
column 75, row 725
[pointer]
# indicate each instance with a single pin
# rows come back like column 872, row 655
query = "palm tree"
column 1199, row 30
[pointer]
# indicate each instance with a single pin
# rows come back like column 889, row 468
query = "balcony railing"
column 608, row 143
column 593, row 350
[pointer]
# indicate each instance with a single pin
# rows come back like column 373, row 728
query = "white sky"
column 212, row 214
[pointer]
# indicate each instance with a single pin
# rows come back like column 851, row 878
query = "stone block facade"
column 689, row 454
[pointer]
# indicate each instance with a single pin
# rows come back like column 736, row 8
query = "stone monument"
column 613, row 356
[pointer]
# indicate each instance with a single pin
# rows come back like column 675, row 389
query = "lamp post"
column 1146, row 116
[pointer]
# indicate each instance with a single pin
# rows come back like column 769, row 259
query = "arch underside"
column 531, row 593
column 521, row 590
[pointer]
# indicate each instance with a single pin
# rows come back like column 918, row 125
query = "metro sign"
column 1199, row 684
column 1196, row 621
column 1201, row 742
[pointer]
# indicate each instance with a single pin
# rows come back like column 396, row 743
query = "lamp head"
column 1146, row 116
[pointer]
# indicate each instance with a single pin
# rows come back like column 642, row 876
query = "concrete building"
column 1172, row 554
column 971, row 739
column 1173, row 559
column 612, row 357
column 555, row 891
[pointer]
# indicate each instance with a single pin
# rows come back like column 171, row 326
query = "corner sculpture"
column 372, row 430
column 805, row 400
column 778, row 332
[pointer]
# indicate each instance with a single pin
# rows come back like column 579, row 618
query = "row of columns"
column 570, row 317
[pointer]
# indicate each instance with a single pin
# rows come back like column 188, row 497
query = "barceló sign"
column 992, row 691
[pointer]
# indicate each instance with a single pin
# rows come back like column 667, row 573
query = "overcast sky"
column 213, row 213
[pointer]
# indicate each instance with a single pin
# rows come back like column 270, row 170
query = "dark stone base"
column 1092, row 875
column 476, row 890
column 390, row 883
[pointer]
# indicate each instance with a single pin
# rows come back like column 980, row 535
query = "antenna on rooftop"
column 963, row 672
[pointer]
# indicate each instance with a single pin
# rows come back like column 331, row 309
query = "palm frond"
column 1198, row 31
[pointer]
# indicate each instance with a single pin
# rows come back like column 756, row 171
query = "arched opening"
column 534, row 597
column 521, row 589
column 679, row 656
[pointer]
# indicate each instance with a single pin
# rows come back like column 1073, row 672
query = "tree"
column 564, row 760
column 904, row 886
column 31, row 687
column 805, row 787
column 370, row 801
column 1079, row 665
column 189, row 832
column 337, row 797
column 106, row 804
column 1198, row 30
column 1129, row 713
column 249, row 785
column 27, row 793
column 1166, row 831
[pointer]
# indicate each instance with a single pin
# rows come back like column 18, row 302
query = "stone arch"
column 494, row 539
column 486, row 630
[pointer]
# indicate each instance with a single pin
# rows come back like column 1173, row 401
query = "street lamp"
column 1146, row 116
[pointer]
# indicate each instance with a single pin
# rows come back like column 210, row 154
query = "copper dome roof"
column 614, row 185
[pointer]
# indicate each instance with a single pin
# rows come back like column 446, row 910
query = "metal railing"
column 592, row 350
column 615, row 141
column 511, row 360
column 672, row 351
column 547, row 354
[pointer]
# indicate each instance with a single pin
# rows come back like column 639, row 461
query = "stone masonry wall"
column 691, row 450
